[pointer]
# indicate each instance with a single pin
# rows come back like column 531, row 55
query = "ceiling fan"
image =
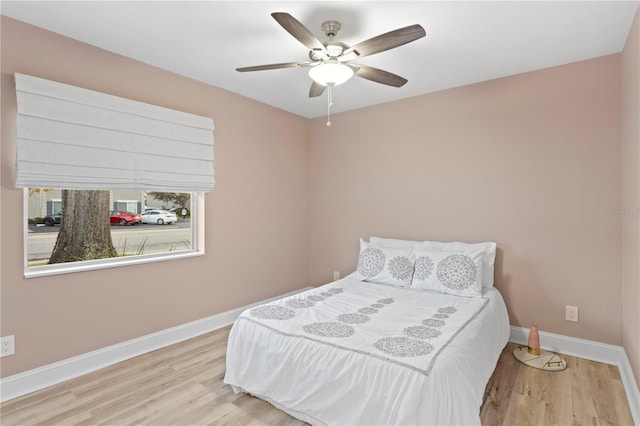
column 330, row 61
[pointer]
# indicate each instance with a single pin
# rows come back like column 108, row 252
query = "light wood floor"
column 182, row 385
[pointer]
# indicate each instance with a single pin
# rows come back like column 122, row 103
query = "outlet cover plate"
column 571, row 313
column 7, row 346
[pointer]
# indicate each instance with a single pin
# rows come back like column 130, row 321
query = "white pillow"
column 452, row 272
column 385, row 265
column 488, row 260
column 393, row 243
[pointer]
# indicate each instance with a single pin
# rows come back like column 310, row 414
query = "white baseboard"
column 594, row 351
column 48, row 375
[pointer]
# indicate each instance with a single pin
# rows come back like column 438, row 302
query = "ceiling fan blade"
column 316, row 89
column 387, row 41
column 379, row 76
column 299, row 31
column 274, row 66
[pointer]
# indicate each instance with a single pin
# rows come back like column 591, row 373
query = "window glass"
column 128, row 206
column 135, row 235
column 56, row 205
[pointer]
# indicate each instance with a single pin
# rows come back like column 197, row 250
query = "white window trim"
column 197, row 238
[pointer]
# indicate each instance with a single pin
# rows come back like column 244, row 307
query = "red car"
column 124, row 218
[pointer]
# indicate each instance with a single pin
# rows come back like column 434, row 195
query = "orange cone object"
column 534, row 340
column 535, row 357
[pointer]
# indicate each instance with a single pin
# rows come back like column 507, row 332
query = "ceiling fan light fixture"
column 331, row 73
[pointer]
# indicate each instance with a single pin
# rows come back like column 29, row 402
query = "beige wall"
column 256, row 216
column 631, row 197
column 530, row 161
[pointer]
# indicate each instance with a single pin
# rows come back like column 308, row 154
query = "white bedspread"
column 354, row 353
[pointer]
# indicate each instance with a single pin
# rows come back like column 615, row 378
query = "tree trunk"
column 85, row 230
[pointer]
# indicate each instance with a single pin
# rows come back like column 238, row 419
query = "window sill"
column 89, row 265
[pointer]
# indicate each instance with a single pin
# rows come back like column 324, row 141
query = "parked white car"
column 159, row 217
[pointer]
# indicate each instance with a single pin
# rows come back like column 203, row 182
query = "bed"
column 360, row 352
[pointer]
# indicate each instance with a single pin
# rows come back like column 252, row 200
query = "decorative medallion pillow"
column 452, row 272
column 488, row 259
column 385, row 265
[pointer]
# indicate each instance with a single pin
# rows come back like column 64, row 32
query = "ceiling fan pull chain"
column 329, row 105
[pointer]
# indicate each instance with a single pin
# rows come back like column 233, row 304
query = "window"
column 56, row 206
column 156, row 234
column 96, row 144
column 128, row 206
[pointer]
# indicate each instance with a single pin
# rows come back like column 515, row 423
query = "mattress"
column 359, row 353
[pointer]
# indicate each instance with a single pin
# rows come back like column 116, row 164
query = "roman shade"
column 73, row 138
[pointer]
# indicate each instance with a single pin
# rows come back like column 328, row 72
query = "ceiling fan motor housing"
column 334, row 49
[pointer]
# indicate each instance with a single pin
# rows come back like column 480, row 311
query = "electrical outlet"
column 571, row 313
column 336, row 275
column 7, row 346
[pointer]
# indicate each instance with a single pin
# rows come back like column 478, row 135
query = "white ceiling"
column 466, row 42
